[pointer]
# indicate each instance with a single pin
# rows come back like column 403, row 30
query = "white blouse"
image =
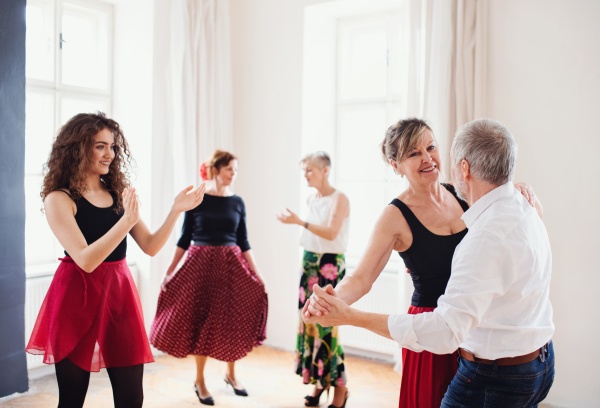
column 319, row 210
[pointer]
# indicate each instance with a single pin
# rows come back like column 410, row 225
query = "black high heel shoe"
column 344, row 404
column 241, row 392
column 204, row 401
column 314, row 401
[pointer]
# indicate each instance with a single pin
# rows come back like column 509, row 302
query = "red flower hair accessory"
column 203, row 173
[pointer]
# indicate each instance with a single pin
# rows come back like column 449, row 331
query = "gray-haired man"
column 495, row 308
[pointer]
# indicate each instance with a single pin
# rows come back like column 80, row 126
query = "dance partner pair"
column 495, row 309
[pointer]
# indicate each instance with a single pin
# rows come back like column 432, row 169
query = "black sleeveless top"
column 429, row 258
column 94, row 222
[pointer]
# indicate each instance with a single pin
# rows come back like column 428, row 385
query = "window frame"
column 61, row 91
column 391, row 17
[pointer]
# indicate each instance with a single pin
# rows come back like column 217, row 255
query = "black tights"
column 73, row 384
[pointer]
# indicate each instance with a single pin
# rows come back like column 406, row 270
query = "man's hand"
column 338, row 314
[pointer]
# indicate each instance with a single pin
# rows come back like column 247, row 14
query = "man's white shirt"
column 496, row 303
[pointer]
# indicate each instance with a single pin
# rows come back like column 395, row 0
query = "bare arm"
column 385, row 236
column 342, row 314
column 179, row 253
column 340, row 210
column 249, row 257
column 60, row 213
column 151, row 243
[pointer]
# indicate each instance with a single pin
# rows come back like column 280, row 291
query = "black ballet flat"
column 314, row 401
column 204, row 401
column 241, row 392
column 344, row 404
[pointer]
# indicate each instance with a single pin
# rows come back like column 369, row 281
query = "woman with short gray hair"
column 319, row 354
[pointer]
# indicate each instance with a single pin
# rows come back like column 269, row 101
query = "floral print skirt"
column 319, row 355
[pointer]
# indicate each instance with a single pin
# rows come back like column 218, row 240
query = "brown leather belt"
column 542, row 352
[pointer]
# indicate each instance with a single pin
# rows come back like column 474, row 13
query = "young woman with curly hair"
column 91, row 317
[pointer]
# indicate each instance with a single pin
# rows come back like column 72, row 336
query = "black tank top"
column 429, row 258
column 94, row 222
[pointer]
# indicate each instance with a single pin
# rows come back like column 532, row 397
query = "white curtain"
column 446, row 74
column 197, row 90
column 447, row 64
column 198, row 85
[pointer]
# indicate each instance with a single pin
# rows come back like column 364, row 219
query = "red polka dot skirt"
column 214, row 306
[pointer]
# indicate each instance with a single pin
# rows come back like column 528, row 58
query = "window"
column 370, row 75
column 69, row 67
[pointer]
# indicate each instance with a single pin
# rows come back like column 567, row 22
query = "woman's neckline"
column 423, row 225
column 101, row 208
column 212, row 195
column 329, row 195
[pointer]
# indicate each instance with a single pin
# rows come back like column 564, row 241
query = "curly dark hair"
column 70, row 158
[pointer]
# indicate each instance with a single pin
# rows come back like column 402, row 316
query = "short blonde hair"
column 319, row 158
column 402, row 137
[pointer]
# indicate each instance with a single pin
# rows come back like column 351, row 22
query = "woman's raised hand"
column 189, row 198
column 131, row 206
column 289, row 217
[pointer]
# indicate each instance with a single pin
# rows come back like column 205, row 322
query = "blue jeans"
column 520, row 386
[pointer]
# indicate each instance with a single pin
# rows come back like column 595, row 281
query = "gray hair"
column 489, row 148
column 319, row 158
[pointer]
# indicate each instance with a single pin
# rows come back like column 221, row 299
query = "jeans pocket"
column 499, row 398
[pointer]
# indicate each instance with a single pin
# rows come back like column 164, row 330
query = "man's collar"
column 484, row 202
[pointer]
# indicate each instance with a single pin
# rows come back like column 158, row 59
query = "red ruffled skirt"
column 215, row 306
column 425, row 376
column 95, row 319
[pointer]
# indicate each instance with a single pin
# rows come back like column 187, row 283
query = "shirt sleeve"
column 186, row 231
column 242, row 233
column 482, row 269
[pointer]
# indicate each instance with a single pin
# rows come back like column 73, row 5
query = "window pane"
column 39, row 130
column 72, row 106
column 398, row 64
column 367, row 201
column 361, row 131
column 39, row 239
column 39, row 40
column 85, row 47
column 363, row 60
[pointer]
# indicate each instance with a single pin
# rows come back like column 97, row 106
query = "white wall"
column 162, row 158
column 543, row 83
column 132, row 108
column 267, row 42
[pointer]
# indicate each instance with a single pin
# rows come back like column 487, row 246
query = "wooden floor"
column 267, row 374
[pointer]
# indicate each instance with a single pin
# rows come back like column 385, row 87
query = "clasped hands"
column 324, row 308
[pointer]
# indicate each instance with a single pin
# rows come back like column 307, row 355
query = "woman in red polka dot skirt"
column 215, row 305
